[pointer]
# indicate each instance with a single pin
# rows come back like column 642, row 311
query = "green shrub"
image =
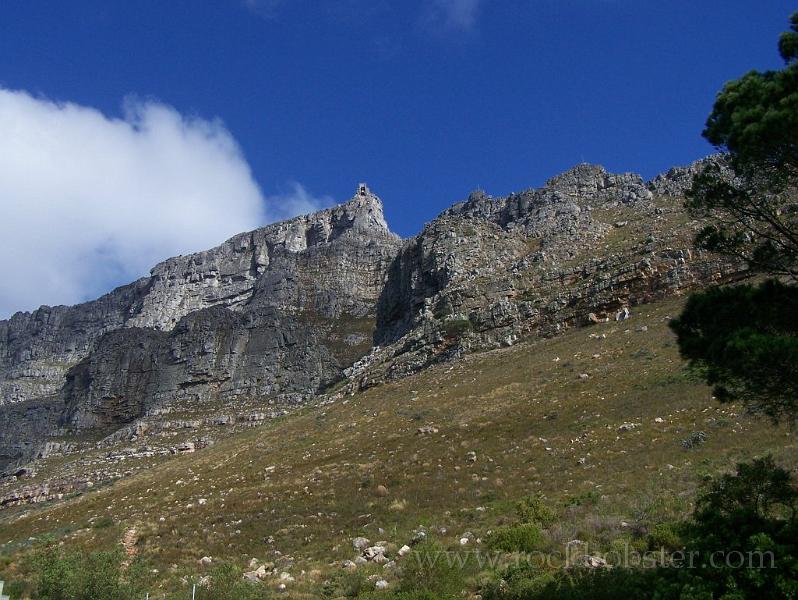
column 345, row 584
column 432, row 573
column 226, row 582
column 532, row 509
column 667, row 536
column 525, row 582
column 589, row 498
column 103, row 523
column 60, row 575
column 517, row 583
column 525, row 537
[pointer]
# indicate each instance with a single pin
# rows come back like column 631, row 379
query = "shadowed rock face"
column 24, row 428
column 490, row 271
column 213, row 353
column 484, row 236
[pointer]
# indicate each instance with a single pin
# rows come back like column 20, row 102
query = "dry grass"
column 305, row 484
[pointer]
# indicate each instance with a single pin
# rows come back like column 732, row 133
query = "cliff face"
column 275, row 313
column 587, row 246
column 212, row 354
column 278, row 314
column 490, row 238
column 37, row 348
column 331, row 263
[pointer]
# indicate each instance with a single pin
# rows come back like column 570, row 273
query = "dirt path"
column 129, row 541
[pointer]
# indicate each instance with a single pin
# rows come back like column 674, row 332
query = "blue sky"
column 423, row 99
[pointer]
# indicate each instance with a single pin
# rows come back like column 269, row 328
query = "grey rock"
column 360, row 543
column 281, row 313
column 262, row 315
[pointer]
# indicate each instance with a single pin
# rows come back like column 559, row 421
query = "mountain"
column 304, row 405
column 278, row 313
column 334, row 302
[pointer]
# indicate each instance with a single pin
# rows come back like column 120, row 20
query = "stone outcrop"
column 25, row 428
column 490, row 271
column 484, row 236
column 330, row 263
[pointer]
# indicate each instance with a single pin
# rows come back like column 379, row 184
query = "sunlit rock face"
column 281, row 313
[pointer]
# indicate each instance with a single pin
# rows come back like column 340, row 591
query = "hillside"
column 542, row 416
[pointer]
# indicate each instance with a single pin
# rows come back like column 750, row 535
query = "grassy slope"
column 304, row 485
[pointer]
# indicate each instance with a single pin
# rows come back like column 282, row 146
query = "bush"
column 525, row 537
column 345, row 584
column 431, row 573
column 667, row 536
column 532, row 509
column 589, row 498
column 750, row 512
column 103, row 523
column 226, row 582
column 526, row 583
column 456, row 327
column 77, row 576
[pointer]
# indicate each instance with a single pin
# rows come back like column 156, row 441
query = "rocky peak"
column 478, row 204
column 362, row 213
column 594, row 185
column 581, row 175
column 677, row 180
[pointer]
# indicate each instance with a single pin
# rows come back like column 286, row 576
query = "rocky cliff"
column 276, row 313
column 586, row 247
column 281, row 313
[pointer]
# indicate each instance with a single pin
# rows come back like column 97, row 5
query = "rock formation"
column 276, row 313
column 281, row 313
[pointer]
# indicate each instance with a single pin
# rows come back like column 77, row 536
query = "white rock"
column 360, row 543
column 623, row 314
column 593, row 562
column 257, row 574
column 374, row 552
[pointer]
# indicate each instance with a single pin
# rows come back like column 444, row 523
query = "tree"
column 750, row 195
column 749, row 515
column 743, row 340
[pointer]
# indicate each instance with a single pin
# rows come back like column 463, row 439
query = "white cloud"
column 452, row 15
column 296, row 200
column 88, row 202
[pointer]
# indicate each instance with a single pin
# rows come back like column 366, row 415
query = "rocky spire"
column 363, row 212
